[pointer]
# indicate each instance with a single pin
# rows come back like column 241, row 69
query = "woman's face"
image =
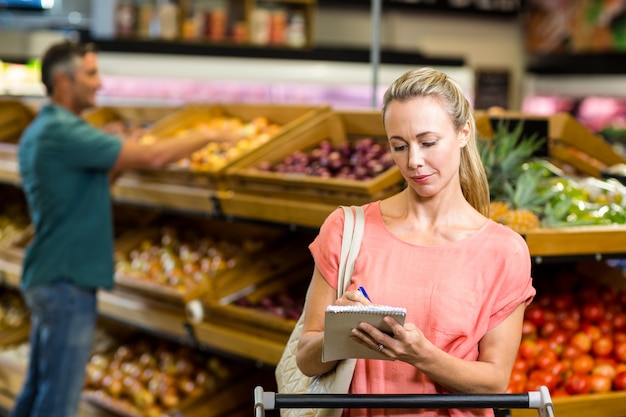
column 424, row 144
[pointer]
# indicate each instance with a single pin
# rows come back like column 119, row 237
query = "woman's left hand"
column 403, row 344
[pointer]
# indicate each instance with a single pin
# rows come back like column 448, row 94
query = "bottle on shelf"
column 169, row 19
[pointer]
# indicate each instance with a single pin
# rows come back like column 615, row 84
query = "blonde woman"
column 464, row 279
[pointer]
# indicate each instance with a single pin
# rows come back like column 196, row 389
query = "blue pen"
column 365, row 294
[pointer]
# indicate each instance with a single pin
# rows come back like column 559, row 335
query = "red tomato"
column 582, row 341
column 619, row 381
column 592, row 330
column 545, row 359
column 560, row 336
column 571, row 352
column 570, row 324
column 583, row 364
column 619, row 351
column 605, row 326
column 619, row 321
column 529, row 329
column 521, row 365
column 535, row 315
column 605, row 369
column 517, row 382
column 603, row 347
column 528, row 349
column 563, row 301
column 577, row 383
column 548, row 328
column 600, row 383
column 619, row 336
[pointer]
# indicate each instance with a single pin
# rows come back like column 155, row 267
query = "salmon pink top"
column 454, row 293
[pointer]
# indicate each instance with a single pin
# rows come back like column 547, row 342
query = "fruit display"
column 216, row 155
column 530, row 192
column 149, row 377
column 13, row 223
column 13, row 311
column 342, row 158
column 361, row 159
column 282, row 297
column 574, row 333
column 214, row 259
column 249, row 127
column 183, row 260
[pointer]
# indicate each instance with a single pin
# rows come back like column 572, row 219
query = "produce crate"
column 271, row 310
column 13, row 364
column 256, row 253
column 15, row 116
column 287, row 117
column 609, row 404
column 181, row 380
column 127, row 116
column 570, row 144
column 340, row 128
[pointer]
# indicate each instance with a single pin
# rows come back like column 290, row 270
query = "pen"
column 365, row 294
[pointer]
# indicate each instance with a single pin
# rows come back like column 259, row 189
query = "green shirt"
column 64, row 164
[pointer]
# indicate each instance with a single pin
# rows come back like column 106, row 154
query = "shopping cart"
column 539, row 400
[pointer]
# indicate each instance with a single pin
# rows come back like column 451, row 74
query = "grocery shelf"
column 609, row 404
column 247, row 345
column 275, row 209
column 577, row 241
column 10, row 273
column 171, row 321
column 166, row 195
column 9, row 170
column 140, row 311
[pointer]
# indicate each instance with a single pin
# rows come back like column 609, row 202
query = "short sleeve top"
column 454, row 293
column 64, row 164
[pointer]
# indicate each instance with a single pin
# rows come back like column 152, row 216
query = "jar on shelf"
column 296, row 30
column 260, row 26
column 125, row 19
column 168, row 19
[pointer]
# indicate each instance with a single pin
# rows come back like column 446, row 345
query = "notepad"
column 339, row 322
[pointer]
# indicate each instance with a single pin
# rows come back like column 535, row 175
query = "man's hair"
column 62, row 57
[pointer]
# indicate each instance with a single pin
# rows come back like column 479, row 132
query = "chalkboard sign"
column 492, row 89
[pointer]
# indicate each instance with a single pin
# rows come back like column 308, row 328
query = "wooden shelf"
column 169, row 196
column 142, row 312
column 259, row 348
column 9, row 170
column 572, row 241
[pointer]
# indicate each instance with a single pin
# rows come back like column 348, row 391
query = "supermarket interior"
column 212, row 259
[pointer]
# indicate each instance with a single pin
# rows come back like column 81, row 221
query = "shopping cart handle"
column 539, row 400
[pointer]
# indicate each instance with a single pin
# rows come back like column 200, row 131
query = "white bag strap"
column 353, row 226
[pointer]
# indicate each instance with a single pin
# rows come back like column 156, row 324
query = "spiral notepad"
column 338, row 325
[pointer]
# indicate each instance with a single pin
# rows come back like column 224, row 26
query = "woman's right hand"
column 354, row 297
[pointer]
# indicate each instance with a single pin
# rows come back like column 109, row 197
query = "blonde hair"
column 424, row 82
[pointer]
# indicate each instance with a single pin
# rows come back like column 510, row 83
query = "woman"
column 464, row 279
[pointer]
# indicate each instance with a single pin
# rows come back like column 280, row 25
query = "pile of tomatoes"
column 573, row 340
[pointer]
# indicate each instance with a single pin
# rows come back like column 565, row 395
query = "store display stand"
column 539, row 400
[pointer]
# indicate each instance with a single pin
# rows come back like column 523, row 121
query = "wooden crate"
column 263, row 322
column 570, row 144
column 611, row 404
column 230, row 379
column 265, row 253
column 288, row 117
column 15, row 116
column 338, row 128
column 143, row 117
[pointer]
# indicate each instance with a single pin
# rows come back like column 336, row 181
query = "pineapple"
column 513, row 184
column 527, row 201
column 497, row 210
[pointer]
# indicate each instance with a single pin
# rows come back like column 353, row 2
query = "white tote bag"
column 337, row 381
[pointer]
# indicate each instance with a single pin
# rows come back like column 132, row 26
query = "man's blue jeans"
column 63, row 318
